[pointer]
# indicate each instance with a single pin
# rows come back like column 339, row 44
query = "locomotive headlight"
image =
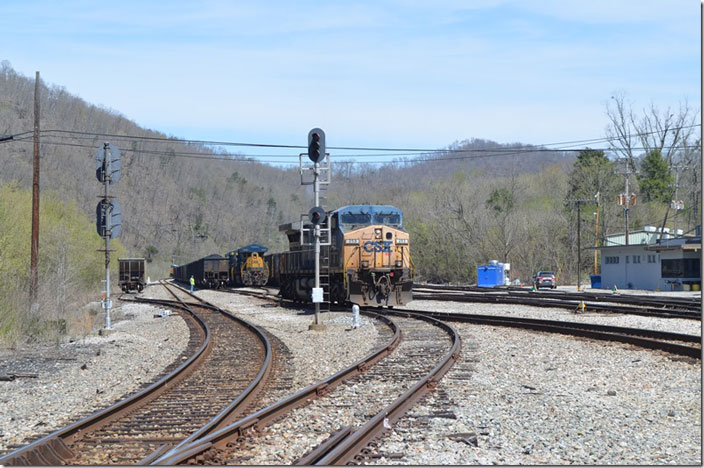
column 401, row 241
column 377, row 233
column 399, row 263
column 365, row 263
column 352, row 241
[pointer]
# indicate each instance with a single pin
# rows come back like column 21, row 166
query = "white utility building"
column 651, row 261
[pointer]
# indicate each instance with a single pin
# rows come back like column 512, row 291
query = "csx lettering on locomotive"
column 376, row 246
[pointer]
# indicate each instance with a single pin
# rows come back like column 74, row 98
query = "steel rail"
column 52, row 449
column 238, row 405
column 560, row 303
column 264, row 416
column 348, row 447
column 652, row 339
column 646, row 300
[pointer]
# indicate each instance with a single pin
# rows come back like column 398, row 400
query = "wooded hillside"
column 508, row 205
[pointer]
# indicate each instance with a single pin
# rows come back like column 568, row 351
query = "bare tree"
column 666, row 130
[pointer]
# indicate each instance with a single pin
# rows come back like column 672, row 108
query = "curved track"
column 674, row 343
column 229, row 361
column 409, row 369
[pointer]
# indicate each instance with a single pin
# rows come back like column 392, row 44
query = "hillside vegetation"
column 70, row 267
column 490, row 201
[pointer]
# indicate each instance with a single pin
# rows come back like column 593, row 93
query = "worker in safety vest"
column 193, row 283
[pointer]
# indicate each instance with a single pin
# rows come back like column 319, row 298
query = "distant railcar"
column 132, row 275
column 368, row 262
column 208, row 272
column 247, row 267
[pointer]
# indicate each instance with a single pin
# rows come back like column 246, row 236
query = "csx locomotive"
column 368, row 261
column 247, row 267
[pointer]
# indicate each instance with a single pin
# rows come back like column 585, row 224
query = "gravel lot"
column 518, row 397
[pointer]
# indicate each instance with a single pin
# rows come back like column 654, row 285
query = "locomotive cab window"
column 388, row 219
column 355, row 220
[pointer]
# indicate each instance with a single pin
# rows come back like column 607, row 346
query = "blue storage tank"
column 490, row 275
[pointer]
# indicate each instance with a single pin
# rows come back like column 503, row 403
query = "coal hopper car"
column 208, row 272
column 132, row 274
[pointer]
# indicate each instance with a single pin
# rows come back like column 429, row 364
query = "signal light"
column 316, row 145
column 317, row 215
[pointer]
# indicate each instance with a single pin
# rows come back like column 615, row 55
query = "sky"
column 386, row 73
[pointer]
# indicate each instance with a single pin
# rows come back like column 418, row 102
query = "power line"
column 341, row 148
column 418, row 155
column 260, row 158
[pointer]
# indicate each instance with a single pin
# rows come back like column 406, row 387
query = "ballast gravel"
column 57, row 385
column 316, row 354
column 515, row 396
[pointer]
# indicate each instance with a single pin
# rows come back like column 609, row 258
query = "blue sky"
column 419, row 74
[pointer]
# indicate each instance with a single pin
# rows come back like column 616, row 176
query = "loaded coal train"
column 208, row 272
column 368, row 261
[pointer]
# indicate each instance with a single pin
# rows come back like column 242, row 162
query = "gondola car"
column 368, row 262
column 247, row 267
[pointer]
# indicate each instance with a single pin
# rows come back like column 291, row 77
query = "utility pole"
column 677, row 205
column 579, row 240
column 34, row 254
column 596, row 232
column 627, row 200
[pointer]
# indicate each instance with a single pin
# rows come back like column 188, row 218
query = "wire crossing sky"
column 388, row 74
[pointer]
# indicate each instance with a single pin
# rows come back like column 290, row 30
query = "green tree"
column 655, row 178
column 501, row 200
column 150, row 251
column 593, row 173
column 503, row 226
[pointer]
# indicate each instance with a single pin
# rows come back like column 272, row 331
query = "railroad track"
column 228, row 363
column 603, row 304
column 359, row 404
column 674, row 343
column 687, row 303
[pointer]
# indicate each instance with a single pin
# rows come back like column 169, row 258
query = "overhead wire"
column 342, row 148
column 415, row 154
column 259, row 158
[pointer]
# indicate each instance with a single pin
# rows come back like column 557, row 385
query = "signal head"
column 316, row 145
column 317, row 215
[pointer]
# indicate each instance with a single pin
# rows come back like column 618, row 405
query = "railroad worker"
column 193, row 282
